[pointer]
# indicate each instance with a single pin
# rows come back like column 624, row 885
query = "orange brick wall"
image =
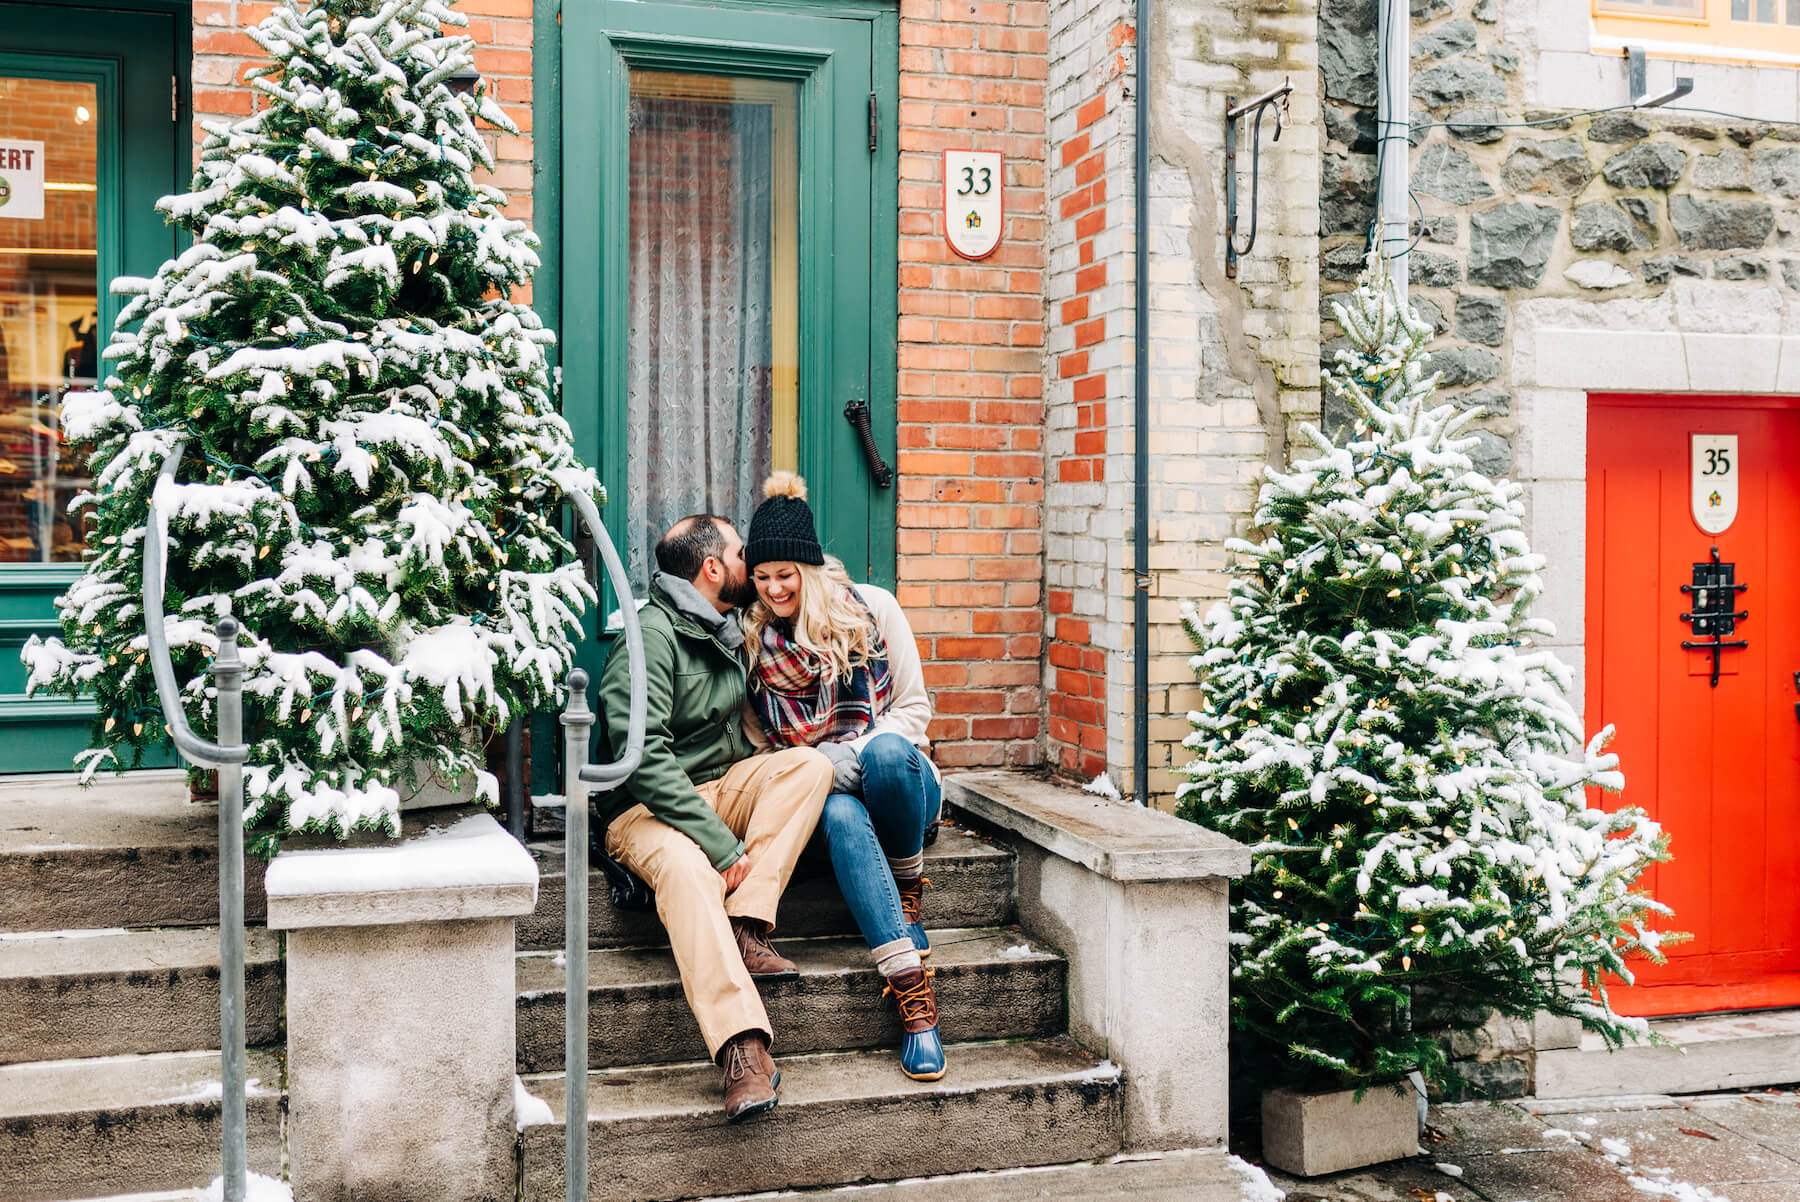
column 972, row 76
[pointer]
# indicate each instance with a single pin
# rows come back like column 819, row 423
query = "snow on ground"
column 474, row 851
column 1256, row 1185
column 257, row 1188
column 529, row 1110
column 1655, row 1182
column 1102, row 786
column 1016, row 952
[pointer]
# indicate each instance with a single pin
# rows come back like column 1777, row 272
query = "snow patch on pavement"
column 1256, row 1186
column 257, row 1188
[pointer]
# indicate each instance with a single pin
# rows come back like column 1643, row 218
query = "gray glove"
column 846, row 768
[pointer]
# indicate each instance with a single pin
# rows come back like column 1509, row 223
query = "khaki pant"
column 771, row 802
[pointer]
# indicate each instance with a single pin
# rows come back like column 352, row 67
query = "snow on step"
column 82, row 1128
column 111, row 992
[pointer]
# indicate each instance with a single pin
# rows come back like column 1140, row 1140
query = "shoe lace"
column 911, row 895
column 918, row 1003
column 750, row 940
column 737, row 1061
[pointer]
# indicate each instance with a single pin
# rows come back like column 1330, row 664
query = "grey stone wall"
column 1613, row 205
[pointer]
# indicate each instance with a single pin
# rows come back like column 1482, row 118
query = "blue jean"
column 901, row 797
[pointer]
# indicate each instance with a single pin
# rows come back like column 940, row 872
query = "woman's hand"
column 846, row 768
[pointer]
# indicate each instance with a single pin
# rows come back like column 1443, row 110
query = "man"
column 711, row 828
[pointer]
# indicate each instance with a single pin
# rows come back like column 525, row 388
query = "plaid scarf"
column 802, row 707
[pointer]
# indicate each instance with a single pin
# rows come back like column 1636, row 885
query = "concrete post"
column 400, row 1001
column 1137, row 901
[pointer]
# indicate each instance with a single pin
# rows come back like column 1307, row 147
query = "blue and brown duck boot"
column 912, row 889
column 921, row 1052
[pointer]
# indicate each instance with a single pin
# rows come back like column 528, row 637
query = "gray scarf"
column 687, row 601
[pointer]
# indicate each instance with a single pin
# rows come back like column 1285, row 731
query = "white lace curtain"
column 700, row 345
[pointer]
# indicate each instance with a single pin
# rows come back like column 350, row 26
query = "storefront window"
column 713, row 284
column 49, row 310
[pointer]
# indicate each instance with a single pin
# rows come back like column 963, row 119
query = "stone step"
column 119, row 1124
column 72, row 994
column 992, row 984
column 1196, row 1175
column 659, row 1132
column 128, row 851
column 971, row 886
column 1717, row 1051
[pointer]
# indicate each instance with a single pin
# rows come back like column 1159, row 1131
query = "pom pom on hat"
column 785, row 484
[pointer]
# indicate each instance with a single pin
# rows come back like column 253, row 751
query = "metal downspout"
column 1140, row 362
column 1394, row 66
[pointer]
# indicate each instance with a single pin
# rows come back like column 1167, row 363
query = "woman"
column 833, row 665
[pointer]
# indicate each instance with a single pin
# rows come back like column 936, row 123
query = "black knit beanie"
column 782, row 527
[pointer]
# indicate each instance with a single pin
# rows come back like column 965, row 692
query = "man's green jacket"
column 693, row 728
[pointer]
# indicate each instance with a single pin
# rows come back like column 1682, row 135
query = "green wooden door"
column 88, row 142
column 728, row 261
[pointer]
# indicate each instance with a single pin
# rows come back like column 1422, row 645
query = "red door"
column 1717, row 765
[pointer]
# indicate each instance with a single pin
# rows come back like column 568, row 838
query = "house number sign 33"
column 1713, row 474
column 974, row 201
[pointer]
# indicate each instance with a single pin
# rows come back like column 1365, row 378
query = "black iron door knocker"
column 1714, row 598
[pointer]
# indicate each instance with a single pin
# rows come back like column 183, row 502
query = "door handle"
column 857, row 414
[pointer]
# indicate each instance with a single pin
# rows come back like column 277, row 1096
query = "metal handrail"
column 227, row 756
column 580, row 778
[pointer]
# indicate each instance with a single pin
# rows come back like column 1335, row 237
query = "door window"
column 713, row 280
column 49, row 305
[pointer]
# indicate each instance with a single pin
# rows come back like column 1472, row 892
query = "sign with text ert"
column 21, row 180
column 974, row 211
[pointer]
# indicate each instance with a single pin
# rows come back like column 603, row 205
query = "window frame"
column 1711, row 34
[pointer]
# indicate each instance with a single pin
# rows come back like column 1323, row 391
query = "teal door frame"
column 143, row 154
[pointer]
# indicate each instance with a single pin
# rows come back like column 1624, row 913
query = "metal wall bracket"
column 1235, row 112
column 1640, row 82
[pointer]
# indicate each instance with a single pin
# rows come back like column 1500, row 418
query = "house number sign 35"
column 1713, row 474
column 974, row 205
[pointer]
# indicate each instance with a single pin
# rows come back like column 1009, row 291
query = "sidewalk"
column 1744, row 1147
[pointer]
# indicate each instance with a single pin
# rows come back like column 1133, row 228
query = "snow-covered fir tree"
column 373, row 458
column 1379, row 728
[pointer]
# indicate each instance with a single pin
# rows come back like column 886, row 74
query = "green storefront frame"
column 137, row 56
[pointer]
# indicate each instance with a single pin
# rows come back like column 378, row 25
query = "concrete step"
column 1717, row 1051
column 971, row 886
column 659, row 1132
column 75, row 994
column 128, row 851
column 120, row 1124
column 1199, row 1175
column 992, row 984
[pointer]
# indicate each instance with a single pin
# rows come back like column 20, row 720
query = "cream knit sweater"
column 909, row 711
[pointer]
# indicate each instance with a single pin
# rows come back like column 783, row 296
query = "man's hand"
column 737, row 873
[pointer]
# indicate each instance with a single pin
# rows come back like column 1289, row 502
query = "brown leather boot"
column 750, row 1076
column 759, row 956
column 912, row 909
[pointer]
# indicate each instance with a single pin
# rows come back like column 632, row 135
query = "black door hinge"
column 874, row 120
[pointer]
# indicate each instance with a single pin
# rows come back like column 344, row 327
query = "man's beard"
column 740, row 593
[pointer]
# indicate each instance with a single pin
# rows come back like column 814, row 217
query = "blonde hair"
column 829, row 625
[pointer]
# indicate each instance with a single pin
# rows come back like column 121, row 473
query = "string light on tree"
column 392, row 593
column 1395, row 752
